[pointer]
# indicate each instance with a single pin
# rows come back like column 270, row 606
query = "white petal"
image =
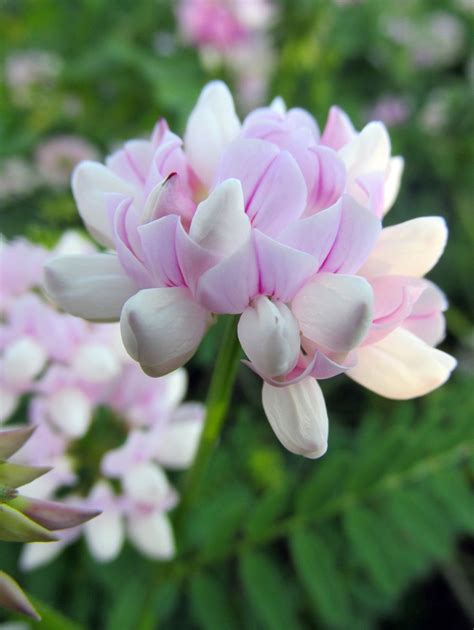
column 212, row 125
column 90, row 183
column 298, row 416
column 35, row 555
column 147, row 483
column 8, row 403
column 93, row 287
column 179, row 439
column 220, row 223
column 73, row 243
column 401, row 366
column 270, row 337
column 411, row 248
column 105, row 533
column 162, row 328
column 393, row 179
column 152, row 534
column 23, row 360
column 334, row 311
column 96, row 363
column 70, row 410
column 368, row 152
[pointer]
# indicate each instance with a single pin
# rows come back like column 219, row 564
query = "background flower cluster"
column 377, row 533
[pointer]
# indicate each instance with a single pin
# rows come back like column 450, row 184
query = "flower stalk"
column 217, row 405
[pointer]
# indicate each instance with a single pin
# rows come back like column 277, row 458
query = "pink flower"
column 70, row 368
column 56, row 157
column 221, row 24
column 276, row 222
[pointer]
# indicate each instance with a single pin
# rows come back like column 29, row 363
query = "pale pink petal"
column 280, row 196
column 297, row 414
column 411, row 248
column 132, row 162
column 90, row 183
column 162, row 328
column 158, row 241
column 269, row 335
column 247, row 160
column 316, row 234
column 193, row 259
column 401, row 366
column 94, row 287
column 212, row 125
column 282, row 269
column 230, row 285
column 426, row 319
column 358, row 232
column 147, row 483
column 394, row 299
column 124, row 225
column 329, row 179
column 334, row 311
column 339, row 130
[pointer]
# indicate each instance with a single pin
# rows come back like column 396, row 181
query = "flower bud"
column 269, row 335
column 297, row 414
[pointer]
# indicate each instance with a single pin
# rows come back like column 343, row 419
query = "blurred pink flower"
column 391, row 109
column 29, row 69
column 56, row 158
column 68, row 375
column 221, row 24
column 278, row 223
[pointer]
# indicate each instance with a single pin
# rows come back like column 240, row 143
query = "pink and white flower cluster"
column 68, row 369
column 279, row 223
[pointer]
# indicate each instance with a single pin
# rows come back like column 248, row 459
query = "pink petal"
column 316, row 234
column 282, row 269
column 158, row 240
column 358, row 232
column 231, row 284
column 338, row 130
column 193, row 259
column 329, row 179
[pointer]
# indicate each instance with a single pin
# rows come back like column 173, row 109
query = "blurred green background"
column 376, row 534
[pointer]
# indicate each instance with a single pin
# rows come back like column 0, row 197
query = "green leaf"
column 315, row 563
column 126, row 607
column 267, row 591
column 361, row 529
column 328, row 476
column 267, row 510
column 452, row 490
column 52, row 619
column 210, row 604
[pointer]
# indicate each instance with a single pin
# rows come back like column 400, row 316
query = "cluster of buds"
column 76, row 374
column 25, row 519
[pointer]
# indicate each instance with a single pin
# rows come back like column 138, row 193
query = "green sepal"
column 16, row 527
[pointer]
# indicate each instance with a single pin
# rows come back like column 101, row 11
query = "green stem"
column 217, row 405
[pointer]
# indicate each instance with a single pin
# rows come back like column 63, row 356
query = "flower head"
column 280, row 223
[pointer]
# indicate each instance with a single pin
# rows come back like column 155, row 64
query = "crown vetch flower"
column 277, row 222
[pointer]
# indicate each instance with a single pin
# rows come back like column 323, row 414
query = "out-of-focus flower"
column 276, row 222
column 27, row 70
column 17, row 177
column 233, row 34
column 68, row 376
column 435, row 114
column 391, row 109
column 56, row 158
column 435, row 41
